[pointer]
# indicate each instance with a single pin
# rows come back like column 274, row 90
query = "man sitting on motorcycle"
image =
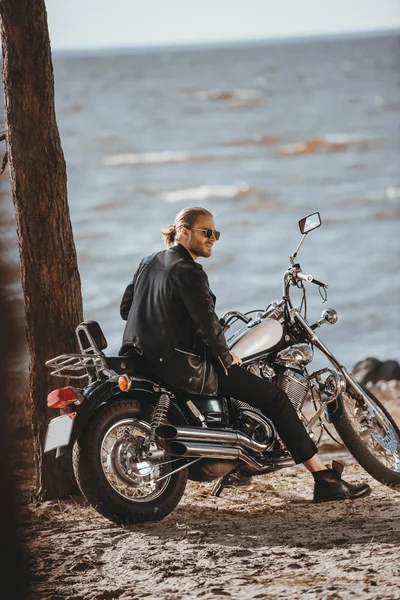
column 171, row 322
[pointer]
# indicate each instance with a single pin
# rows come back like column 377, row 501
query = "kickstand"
column 219, row 485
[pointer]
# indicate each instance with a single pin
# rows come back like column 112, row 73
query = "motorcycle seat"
column 131, row 365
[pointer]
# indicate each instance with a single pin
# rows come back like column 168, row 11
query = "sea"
column 259, row 133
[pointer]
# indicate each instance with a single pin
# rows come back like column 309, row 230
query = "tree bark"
column 49, row 272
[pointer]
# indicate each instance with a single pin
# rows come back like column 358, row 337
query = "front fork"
column 351, row 382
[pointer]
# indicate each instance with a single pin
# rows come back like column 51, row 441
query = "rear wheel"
column 113, row 474
column 372, row 437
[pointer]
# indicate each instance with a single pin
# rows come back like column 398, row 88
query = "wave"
column 257, row 139
column 158, row 158
column 74, row 108
column 236, row 98
column 335, row 142
column 392, row 194
column 207, row 192
column 228, row 95
column 113, row 204
column 381, row 216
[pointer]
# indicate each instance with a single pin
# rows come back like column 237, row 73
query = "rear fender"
column 106, row 392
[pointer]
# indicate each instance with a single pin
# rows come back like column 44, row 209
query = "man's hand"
column 236, row 359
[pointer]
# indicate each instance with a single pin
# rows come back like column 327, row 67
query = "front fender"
column 333, row 410
column 105, row 392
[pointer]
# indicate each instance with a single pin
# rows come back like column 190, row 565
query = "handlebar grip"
column 319, row 283
column 310, row 279
column 304, row 277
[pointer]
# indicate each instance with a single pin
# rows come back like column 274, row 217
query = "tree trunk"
column 49, row 272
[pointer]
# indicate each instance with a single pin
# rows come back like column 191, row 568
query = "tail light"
column 62, row 397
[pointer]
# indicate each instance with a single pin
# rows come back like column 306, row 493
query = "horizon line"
column 210, row 44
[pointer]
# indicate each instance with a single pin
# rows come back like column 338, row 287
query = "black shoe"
column 329, row 486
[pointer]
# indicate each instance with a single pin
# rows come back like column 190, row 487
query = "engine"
column 209, row 469
column 295, row 385
column 287, row 373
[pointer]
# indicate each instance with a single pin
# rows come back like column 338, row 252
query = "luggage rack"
column 78, row 366
column 90, row 363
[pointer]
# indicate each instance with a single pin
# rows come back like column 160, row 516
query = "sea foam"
column 157, row 158
column 205, row 192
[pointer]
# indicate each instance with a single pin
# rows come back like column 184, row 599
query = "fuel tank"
column 257, row 338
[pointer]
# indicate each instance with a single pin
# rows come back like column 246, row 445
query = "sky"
column 97, row 24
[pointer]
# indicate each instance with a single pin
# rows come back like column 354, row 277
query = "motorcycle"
column 135, row 443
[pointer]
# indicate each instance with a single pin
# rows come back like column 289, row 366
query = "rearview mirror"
column 309, row 223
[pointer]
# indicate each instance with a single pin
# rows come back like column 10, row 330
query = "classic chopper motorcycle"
column 135, row 443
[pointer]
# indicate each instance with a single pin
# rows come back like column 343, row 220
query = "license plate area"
column 59, row 432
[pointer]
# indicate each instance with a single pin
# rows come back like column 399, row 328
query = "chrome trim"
column 293, row 256
column 257, row 417
column 274, row 311
column 375, row 430
column 216, row 436
column 330, row 316
column 339, row 383
column 266, row 371
column 73, row 365
column 355, row 385
column 253, row 323
column 196, row 413
column 189, row 448
column 298, row 354
column 204, row 376
column 237, row 315
column 223, row 366
column 188, row 353
column 295, row 385
column 314, row 419
column 315, row 339
column 92, row 348
column 185, row 466
column 125, row 469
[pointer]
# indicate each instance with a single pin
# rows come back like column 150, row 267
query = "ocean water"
column 261, row 135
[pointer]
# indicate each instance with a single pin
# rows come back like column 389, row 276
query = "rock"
column 372, row 370
column 389, row 370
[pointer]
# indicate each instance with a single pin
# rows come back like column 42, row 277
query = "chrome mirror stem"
column 291, row 258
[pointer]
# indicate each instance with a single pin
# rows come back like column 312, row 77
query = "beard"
column 200, row 249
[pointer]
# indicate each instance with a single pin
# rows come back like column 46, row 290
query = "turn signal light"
column 124, row 383
column 62, row 397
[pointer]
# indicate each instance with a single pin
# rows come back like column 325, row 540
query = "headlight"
column 298, row 355
column 334, row 385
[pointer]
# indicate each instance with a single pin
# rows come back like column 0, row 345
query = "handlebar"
column 230, row 316
column 310, row 279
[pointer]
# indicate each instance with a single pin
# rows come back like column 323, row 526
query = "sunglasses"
column 208, row 232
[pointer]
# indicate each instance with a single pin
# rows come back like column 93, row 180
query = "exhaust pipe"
column 203, row 450
column 191, row 449
column 213, row 436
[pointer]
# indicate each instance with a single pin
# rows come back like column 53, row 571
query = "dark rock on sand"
column 372, row 370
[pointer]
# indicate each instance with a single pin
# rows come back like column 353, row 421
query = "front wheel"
column 113, row 474
column 372, row 436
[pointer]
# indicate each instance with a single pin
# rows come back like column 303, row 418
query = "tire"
column 102, row 455
column 386, row 469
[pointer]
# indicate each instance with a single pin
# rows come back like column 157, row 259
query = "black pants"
column 275, row 405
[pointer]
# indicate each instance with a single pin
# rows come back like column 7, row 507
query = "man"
column 171, row 322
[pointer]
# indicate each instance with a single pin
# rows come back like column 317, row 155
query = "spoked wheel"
column 124, row 468
column 372, row 436
column 114, row 473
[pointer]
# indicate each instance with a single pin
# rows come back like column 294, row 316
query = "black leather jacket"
column 171, row 321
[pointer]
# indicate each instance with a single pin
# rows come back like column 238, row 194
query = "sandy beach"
column 266, row 540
